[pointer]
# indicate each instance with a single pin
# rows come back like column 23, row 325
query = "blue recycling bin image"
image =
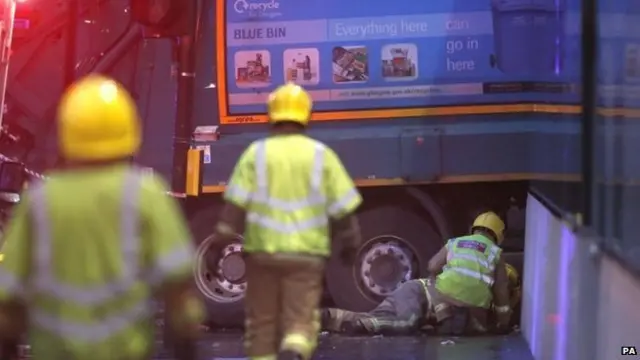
column 528, row 36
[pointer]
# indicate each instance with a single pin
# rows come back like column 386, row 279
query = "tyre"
column 398, row 244
column 219, row 272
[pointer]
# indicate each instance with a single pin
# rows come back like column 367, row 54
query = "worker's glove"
column 224, row 232
column 503, row 316
column 348, row 255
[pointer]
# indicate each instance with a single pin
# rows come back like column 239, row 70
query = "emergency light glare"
column 108, row 91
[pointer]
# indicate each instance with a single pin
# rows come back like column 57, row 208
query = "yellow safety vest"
column 469, row 274
column 290, row 185
column 88, row 275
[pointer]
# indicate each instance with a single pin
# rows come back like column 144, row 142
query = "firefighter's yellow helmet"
column 98, row 121
column 289, row 102
column 490, row 221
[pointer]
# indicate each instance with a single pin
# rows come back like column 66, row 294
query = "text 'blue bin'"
column 528, row 36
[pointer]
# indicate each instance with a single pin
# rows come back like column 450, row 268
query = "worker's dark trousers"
column 282, row 299
column 400, row 313
column 453, row 319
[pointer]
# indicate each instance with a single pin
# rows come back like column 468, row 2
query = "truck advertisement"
column 395, row 59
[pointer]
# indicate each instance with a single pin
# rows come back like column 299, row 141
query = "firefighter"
column 285, row 191
column 88, row 248
column 403, row 312
column 472, row 276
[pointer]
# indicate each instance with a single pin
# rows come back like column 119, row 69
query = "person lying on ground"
column 408, row 310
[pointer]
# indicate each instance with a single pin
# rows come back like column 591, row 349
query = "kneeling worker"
column 472, row 277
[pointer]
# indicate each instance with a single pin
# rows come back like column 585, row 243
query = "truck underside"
column 402, row 227
column 423, row 179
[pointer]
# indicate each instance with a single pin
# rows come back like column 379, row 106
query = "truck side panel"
column 449, row 150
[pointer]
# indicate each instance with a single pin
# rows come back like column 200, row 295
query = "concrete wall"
column 577, row 302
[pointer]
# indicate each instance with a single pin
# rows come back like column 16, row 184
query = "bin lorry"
column 411, row 95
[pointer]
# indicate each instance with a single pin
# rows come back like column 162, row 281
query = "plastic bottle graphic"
column 528, row 36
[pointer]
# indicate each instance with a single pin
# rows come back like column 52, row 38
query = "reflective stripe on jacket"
column 289, row 186
column 84, row 253
column 468, row 276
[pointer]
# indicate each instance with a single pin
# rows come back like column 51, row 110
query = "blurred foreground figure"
column 89, row 248
column 284, row 190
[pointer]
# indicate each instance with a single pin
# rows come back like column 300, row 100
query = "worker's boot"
column 289, row 355
column 325, row 318
column 356, row 327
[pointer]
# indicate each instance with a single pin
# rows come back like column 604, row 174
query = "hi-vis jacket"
column 84, row 251
column 469, row 273
column 290, row 186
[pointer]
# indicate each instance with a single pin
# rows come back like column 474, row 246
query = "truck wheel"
column 397, row 247
column 219, row 273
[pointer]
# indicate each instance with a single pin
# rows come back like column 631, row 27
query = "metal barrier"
column 578, row 302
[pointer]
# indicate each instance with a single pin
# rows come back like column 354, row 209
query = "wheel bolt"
column 372, row 284
column 377, row 252
column 367, row 273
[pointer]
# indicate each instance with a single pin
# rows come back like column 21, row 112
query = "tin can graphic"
column 528, row 36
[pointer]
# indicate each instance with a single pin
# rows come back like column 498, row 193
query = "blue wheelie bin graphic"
column 528, row 36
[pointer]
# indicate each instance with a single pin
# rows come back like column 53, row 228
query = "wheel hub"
column 222, row 280
column 384, row 267
column 231, row 266
column 231, row 269
column 385, row 270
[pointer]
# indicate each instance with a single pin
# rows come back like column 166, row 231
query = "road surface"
column 228, row 346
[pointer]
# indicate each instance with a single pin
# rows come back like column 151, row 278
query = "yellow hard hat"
column 490, row 221
column 98, row 120
column 289, row 102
